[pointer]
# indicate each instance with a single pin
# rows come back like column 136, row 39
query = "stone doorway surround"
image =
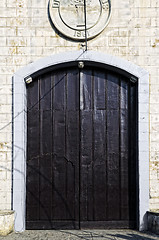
column 20, row 123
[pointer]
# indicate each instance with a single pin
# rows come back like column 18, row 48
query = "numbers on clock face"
column 80, row 34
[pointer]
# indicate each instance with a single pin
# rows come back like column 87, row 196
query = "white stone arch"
column 20, row 124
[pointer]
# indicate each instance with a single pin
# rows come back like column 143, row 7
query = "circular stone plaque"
column 69, row 18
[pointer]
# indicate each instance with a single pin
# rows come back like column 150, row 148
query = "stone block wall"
column 26, row 35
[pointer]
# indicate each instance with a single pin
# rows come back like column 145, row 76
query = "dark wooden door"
column 81, row 150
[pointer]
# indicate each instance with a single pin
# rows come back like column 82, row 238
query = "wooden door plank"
column 45, row 177
column 86, row 158
column 66, row 148
column 99, row 166
column 124, row 148
column 86, row 197
column 113, row 173
column 133, row 151
column 32, row 178
column 59, row 207
column 72, row 144
column 100, row 86
column 99, row 142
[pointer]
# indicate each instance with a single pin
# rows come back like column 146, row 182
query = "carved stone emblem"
column 69, row 18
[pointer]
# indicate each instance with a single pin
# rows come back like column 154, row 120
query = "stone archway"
column 132, row 71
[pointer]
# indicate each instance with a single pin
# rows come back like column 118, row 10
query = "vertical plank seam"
column 52, row 144
column 119, row 146
column 106, row 151
column 39, row 105
column 93, row 110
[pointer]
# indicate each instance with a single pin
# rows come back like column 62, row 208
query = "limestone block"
column 16, row 41
column 154, row 99
column 155, row 3
column 2, row 156
column 144, row 12
column 5, row 108
column 154, row 156
column 3, row 42
column 154, row 108
column 39, row 3
column 145, row 3
column 154, row 22
column 154, row 201
column 6, row 222
column 154, row 206
column 154, row 146
column 38, row 22
column 154, row 184
column 19, row 3
column 117, row 41
column 3, row 22
column 3, row 174
column 16, row 21
column 36, row 41
column 5, row 12
column 42, row 32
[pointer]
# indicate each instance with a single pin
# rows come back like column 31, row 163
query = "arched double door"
column 81, row 150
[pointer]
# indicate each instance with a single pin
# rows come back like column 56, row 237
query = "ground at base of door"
column 81, row 235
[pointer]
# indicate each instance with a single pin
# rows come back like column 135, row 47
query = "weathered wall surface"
column 26, row 35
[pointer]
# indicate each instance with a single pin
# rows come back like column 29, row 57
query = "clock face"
column 69, row 18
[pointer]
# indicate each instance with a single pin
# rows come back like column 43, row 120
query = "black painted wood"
column 57, row 151
column 81, row 150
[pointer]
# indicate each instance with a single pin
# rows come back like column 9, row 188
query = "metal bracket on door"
column 28, row 80
column 81, row 64
column 133, row 79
